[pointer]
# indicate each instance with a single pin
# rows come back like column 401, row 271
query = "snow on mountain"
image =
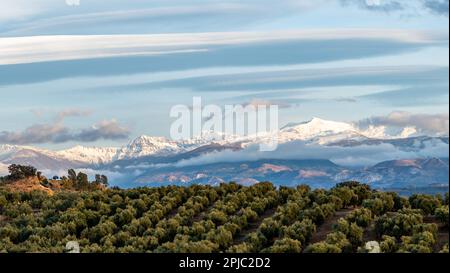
column 317, row 131
column 89, row 155
column 146, row 145
column 408, row 132
column 8, row 150
column 324, row 132
column 317, row 127
column 39, row 158
column 378, row 132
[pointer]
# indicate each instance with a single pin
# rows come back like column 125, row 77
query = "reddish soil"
column 27, row 185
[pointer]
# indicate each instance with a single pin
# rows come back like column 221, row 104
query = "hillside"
column 27, row 185
column 230, row 218
column 26, row 179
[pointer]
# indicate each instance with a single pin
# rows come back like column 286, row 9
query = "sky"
column 100, row 73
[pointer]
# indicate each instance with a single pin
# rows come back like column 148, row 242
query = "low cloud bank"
column 433, row 124
column 364, row 155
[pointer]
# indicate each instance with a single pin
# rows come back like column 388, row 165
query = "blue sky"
column 103, row 72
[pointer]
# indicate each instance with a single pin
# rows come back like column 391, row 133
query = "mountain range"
column 317, row 152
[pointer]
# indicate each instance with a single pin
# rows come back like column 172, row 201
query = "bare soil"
column 27, row 185
column 369, row 233
column 252, row 227
column 327, row 227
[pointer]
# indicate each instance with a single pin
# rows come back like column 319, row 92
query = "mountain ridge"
column 147, row 156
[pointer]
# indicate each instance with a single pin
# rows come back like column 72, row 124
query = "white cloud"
column 16, row 50
column 425, row 123
column 57, row 132
column 18, row 10
column 364, row 155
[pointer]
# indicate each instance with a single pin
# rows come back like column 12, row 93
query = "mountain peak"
column 325, row 122
column 148, row 145
column 316, row 119
column 150, row 139
column 318, row 126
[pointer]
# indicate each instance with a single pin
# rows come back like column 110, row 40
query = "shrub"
column 418, row 243
column 352, row 231
column 426, row 203
column 442, row 215
column 220, row 236
column 256, row 240
column 323, row 247
column 240, row 248
column 444, row 249
column 362, row 191
column 376, row 206
column 398, row 224
column 20, row 172
column 270, row 228
column 218, row 217
column 388, row 244
column 380, row 203
column 346, row 195
column 301, row 231
column 340, row 240
column 285, row 245
column 362, row 217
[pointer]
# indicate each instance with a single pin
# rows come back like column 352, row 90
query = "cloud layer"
column 57, row 132
column 425, row 123
column 44, row 58
column 410, row 7
column 53, row 17
column 376, row 5
column 440, row 7
column 364, row 155
column 17, row 50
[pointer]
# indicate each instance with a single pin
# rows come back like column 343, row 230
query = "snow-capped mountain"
column 317, row 127
column 7, row 150
column 324, row 132
column 89, row 155
column 39, row 158
column 317, row 131
column 149, row 159
column 145, row 145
